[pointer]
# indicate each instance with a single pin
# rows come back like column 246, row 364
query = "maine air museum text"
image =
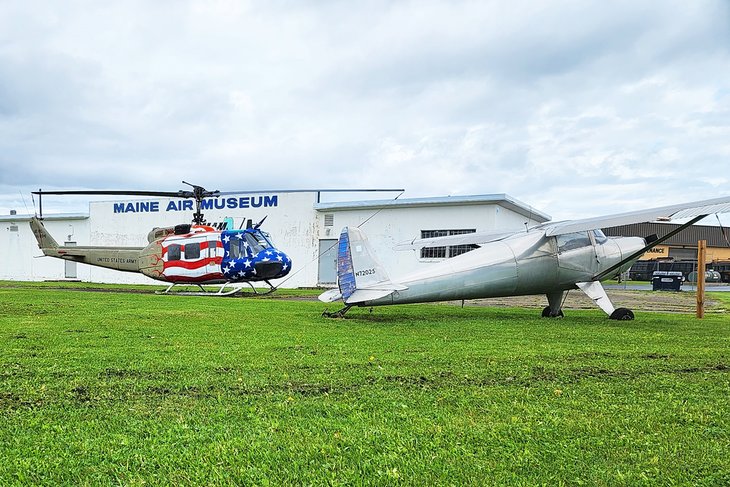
column 267, row 201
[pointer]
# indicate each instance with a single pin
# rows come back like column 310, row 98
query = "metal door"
column 327, row 261
column 70, row 266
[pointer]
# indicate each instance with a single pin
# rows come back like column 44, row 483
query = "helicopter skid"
column 236, row 289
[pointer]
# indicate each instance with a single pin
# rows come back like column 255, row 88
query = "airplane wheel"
column 547, row 314
column 624, row 314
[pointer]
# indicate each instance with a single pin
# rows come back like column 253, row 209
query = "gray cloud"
column 577, row 108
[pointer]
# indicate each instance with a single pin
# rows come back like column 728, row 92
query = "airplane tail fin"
column 360, row 276
column 45, row 241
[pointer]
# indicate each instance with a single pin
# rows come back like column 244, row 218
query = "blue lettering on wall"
column 137, row 207
column 266, row 201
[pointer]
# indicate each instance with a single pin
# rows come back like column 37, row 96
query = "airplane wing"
column 663, row 213
column 478, row 238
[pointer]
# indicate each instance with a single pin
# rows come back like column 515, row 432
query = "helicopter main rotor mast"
column 199, row 194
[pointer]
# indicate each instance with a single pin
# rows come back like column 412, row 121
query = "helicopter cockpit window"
column 192, row 251
column 599, row 236
column 235, row 249
column 571, row 241
column 173, row 252
column 257, row 242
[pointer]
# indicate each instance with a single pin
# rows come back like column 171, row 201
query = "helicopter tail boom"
column 118, row 258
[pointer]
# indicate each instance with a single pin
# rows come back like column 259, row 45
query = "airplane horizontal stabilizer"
column 663, row 213
column 331, row 295
column 363, row 295
column 360, row 295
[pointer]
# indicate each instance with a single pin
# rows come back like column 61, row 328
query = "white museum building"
column 298, row 221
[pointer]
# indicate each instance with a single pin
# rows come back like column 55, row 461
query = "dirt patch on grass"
column 664, row 301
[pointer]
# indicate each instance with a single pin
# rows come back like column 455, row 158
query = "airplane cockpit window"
column 599, row 236
column 571, row 241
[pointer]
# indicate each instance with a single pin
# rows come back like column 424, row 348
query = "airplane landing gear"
column 623, row 314
column 554, row 309
column 548, row 313
column 340, row 313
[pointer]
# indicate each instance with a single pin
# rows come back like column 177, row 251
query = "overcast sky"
column 577, row 108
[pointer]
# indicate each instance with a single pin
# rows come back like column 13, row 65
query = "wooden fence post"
column 701, row 261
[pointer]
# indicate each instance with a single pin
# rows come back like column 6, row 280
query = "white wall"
column 21, row 259
column 291, row 223
column 391, row 226
column 295, row 227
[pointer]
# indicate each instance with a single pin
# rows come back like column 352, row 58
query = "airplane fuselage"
column 523, row 264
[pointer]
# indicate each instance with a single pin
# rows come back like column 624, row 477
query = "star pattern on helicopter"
column 238, row 269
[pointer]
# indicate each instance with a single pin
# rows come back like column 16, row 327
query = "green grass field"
column 138, row 389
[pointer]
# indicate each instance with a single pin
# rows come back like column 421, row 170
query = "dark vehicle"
column 724, row 269
column 643, row 270
column 666, row 281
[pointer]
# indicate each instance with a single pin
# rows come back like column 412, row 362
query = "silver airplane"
column 548, row 259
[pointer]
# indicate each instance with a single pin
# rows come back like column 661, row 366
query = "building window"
column 447, row 251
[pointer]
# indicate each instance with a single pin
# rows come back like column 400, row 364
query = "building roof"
column 501, row 199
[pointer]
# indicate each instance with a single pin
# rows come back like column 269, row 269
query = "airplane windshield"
column 599, row 236
column 570, row 241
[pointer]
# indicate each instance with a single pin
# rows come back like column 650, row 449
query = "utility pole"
column 701, row 260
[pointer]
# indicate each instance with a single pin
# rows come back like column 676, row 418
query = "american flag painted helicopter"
column 185, row 254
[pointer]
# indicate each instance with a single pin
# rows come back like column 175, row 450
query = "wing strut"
column 651, row 245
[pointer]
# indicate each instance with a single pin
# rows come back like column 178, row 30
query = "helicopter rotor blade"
column 169, row 194
column 198, row 193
